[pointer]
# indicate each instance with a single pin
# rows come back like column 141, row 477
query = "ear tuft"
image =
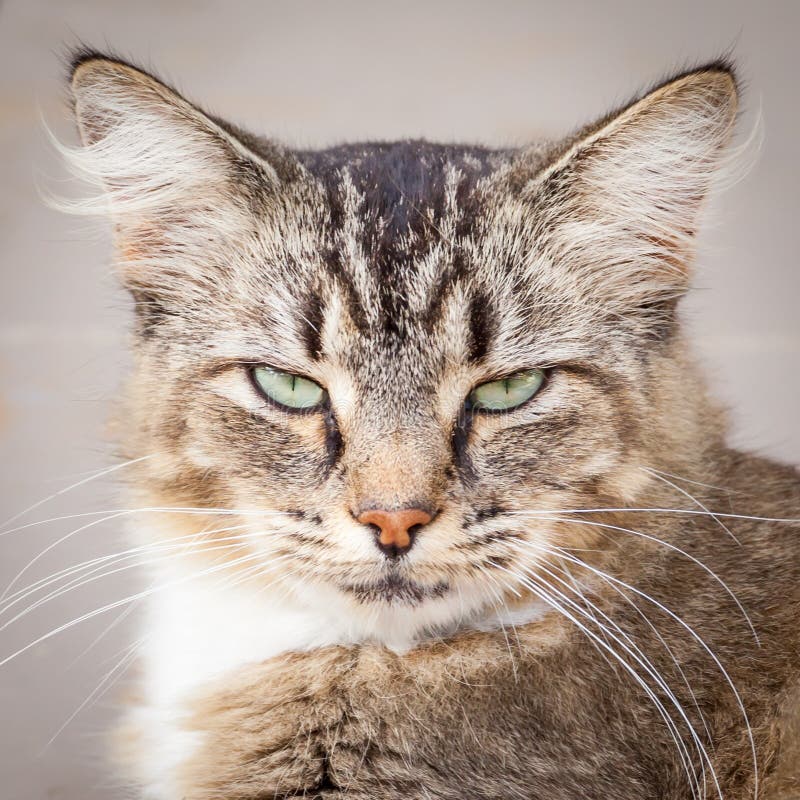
column 84, row 55
column 710, row 91
column 175, row 184
column 109, row 92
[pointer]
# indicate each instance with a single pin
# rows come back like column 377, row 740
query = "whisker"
column 93, row 523
column 503, row 605
column 77, row 484
column 95, row 574
column 662, row 641
column 656, row 474
column 644, row 510
column 683, row 479
column 670, row 546
column 161, row 544
column 108, row 680
column 118, row 603
column 563, row 555
column 92, row 577
column 115, row 512
column 118, row 620
column 566, row 571
column 101, row 561
column 42, row 553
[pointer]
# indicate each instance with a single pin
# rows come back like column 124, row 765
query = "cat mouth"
column 396, row 589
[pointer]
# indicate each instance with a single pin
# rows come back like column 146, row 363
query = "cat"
column 431, row 495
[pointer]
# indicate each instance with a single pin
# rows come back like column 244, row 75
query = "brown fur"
column 399, row 276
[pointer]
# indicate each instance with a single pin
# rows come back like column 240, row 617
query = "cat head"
column 389, row 358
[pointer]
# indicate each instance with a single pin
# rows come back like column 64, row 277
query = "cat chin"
column 396, row 590
column 403, row 615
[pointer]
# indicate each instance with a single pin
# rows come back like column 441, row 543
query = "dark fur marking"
column 404, row 187
column 150, row 312
column 394, row 588
column 355, row 307
column 481, row 327
column 489, row 512
column 313, row 318
column 460, row 447
column 334, row 445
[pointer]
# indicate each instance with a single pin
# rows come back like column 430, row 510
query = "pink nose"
column 395, row 530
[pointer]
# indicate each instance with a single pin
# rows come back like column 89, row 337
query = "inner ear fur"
column 621, row 201
column 178, row 186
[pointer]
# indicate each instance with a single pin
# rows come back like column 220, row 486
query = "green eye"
column 285, row 389
column 506, row 393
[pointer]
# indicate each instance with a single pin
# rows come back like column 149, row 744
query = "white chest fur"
column 197, row 630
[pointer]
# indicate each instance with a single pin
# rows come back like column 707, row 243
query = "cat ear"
column 622, row 201
column 178, row 186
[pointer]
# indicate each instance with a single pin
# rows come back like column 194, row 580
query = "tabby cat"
column 432, row 498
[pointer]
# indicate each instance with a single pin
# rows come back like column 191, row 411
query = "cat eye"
column 506, row 393
column 286, row 389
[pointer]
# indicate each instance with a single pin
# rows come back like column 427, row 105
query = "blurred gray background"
column 317, row 73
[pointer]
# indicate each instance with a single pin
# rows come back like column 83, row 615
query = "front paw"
column 263, row 731
column 359, row 722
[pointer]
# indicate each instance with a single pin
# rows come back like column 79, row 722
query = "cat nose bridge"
column 398, row 468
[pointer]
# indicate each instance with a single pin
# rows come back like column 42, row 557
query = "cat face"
column 394, row 281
